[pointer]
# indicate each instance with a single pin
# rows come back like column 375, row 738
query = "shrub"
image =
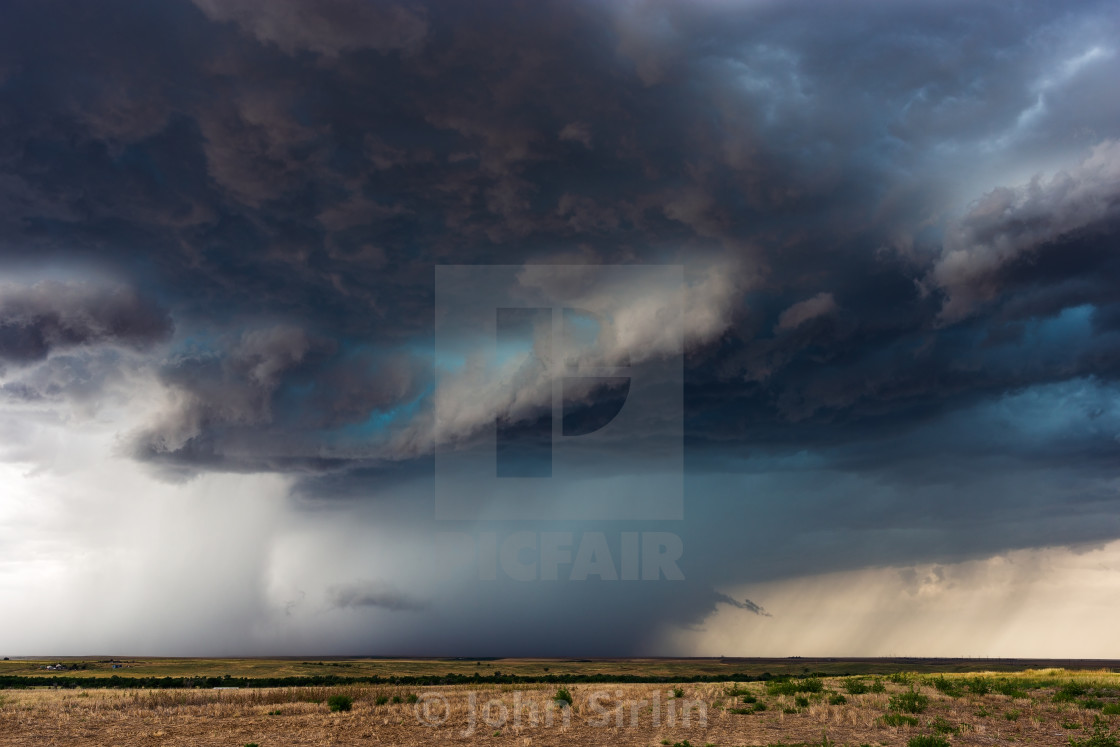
column 1011, row 715
column 748, row 698
column 1009, row 688
column 910, row 701
column 801, row 701
column 1070, row 691
column 837, row 699
column 982, row 712
column 411, row 698
column 877, row 686
column 952, row 688
column 928, row 740
column 897, row 719
column 855, row 686
column 759, row 706
column 792, row 687
column 781, row 687
column 1101, row 737
column 381, row 700
column 1095, row 704
column 678, row 692
column 562, row 696
column 942, row 726
column 900, row 678
column 979, row 686
column 340, row 703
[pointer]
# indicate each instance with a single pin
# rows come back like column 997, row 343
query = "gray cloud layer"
column 897, row 224
column 50, row 315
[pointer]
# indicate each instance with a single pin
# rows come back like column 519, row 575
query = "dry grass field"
column 1043, row 707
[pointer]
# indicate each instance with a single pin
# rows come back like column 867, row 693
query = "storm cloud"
column 48, row 316
column 220, row 228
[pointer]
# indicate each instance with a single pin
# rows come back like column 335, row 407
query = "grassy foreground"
column 1046, row 707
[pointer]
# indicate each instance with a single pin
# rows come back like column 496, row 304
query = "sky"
column 573, row 328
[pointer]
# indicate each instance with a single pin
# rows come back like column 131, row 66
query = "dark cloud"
column 897, row 221
column 746, row 604
column 327, row 28
column 37, row 319
column 1009, row 226
column 372, row 594
column 274, row 397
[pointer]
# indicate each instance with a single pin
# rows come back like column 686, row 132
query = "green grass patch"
column 837, row 699
column 942, row 726
column 792, row 687
column 953, row 688
column 898, row 719
column 1011, row 715
column 928, row 740
column 1102, row 737
column 910, row 701
column 978, row 685
column 859, row 686
column 1070, row 691
column 1009, row 688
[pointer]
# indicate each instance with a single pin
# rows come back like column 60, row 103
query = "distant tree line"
column 14, row 682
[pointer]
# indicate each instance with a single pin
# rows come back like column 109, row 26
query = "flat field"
column 1044, row 707
column 102, row 666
